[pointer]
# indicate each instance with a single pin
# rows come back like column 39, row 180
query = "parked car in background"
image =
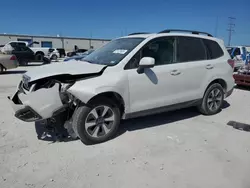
column 77, row 52
column 39, row 52
column 55, row 53
column 25, row 55
column 7, row 61
column 79, row 57
column 132, row 76
column 239, row 54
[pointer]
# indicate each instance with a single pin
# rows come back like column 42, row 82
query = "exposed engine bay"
column 59, row 125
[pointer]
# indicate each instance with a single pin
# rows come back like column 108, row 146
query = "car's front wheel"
column 212, row 100
column 54, row 57
column 97, row 122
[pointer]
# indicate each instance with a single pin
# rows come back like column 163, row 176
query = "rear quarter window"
column 190, row 49
column 214, row 50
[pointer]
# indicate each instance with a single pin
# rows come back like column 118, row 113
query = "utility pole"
column 90, row 42
column 230, row 29
column 61, row 37
column 216, row 26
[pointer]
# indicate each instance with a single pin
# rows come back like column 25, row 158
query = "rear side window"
column 213, row 49
column 190, row 49
column 17, row 44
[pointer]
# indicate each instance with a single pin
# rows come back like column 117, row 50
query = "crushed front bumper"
column 36, row 105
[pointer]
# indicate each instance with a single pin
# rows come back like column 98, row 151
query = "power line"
column 230, row 29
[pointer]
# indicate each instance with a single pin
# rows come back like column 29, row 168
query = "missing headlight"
column 64, row 95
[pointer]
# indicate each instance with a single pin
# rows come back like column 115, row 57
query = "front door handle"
column 175, row 72
column 209, row 66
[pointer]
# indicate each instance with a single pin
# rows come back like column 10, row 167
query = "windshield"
column 113, row 52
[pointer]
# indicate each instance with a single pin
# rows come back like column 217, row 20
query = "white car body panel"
column 43, row 101
column 87, row 88
column 158, row 87
column 41, row 49
column 73, row 68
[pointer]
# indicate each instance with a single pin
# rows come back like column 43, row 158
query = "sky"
column 110, row 19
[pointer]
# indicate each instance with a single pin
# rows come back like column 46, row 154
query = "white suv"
column 136, row 75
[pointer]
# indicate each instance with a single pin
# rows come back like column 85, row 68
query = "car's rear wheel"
column 97, row 122
column 212, row 100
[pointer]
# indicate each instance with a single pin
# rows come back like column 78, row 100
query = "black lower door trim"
column 163, row 109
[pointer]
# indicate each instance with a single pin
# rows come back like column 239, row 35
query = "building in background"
column 67, row 43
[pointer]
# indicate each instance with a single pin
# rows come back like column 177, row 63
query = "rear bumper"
column 10, row 65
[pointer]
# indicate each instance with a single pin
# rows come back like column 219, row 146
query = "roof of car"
column 168, row 34
column 235, row 46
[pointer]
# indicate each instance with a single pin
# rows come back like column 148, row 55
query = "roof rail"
column 139, row 33
column 189, row 31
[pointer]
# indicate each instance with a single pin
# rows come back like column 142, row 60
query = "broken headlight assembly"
column 65, row 96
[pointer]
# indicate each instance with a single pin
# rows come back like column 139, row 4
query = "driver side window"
column 161, row 49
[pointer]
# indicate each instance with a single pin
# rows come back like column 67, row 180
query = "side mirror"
column 145, row 62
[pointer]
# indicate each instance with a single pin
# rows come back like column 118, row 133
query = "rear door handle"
column 209, row 66
column 175, row 72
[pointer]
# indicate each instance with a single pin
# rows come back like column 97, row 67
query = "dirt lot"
column 177, row 149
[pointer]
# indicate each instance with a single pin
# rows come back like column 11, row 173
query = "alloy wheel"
column 99, row 121
column 214, row 100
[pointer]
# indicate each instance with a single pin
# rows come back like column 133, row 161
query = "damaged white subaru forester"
column 136, row 75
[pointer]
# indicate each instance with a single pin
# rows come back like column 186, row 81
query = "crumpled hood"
column 70, row 67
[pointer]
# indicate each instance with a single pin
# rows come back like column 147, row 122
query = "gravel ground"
column 177, row 149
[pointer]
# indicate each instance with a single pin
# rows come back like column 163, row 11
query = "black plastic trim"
column 163, row 109
column 188, row 31
column 20, row 114
column 138, row 33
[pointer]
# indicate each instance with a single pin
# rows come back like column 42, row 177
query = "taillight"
column 13, row 58
column 231, row 62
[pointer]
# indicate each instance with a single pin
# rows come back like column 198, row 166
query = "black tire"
column 54, row 57
column 204, row 106
column 1, row 69
column 81, row 115
column 39, row 56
